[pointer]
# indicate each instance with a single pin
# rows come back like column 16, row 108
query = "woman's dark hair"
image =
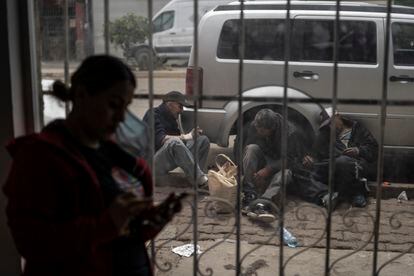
column 95, row 74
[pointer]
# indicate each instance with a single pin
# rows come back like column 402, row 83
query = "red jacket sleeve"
column 54, row 209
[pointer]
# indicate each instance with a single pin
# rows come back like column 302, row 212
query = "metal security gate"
column 373, row 219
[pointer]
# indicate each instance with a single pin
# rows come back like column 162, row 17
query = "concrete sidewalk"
column 352, row 229
column 55, row 70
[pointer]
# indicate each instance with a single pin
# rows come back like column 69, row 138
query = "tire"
column 306, row 131
column 237, row 159
column 142, row 58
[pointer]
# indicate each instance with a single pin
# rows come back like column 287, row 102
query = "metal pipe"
column 380, row 165
column 332, row 137
column 240, row 135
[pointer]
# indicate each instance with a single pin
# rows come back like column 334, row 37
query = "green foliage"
column 404, row 2
column 128, row 30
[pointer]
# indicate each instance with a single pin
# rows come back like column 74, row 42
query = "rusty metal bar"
column 240, row 135
column 284, row 136
column 195, row 122
column 66, row 39
column 332, row 136
column 151, row 107
column 380, row 167
column 106, row 26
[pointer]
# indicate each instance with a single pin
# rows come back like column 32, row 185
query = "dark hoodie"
column 360, row 138
column 272, row 145
column 56, row 209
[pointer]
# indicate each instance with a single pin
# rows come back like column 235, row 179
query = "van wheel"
column 236, row 144
column 304, row 129
column 142, row 58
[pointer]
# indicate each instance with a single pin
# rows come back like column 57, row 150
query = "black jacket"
column 360, row 138
column 164, row 124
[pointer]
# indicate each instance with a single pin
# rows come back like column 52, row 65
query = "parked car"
column 173, row 31
column 310, row 71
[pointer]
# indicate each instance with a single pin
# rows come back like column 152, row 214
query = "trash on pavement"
column 186, row 250
column 289, row 239
column 402, row 196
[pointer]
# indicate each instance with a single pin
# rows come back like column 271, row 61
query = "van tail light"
column 194, row 74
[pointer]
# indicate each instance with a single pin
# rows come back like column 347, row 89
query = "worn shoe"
column 359, row 201
column 325, row 200
column 262, row 213
column 202, row 183
column 248, row 198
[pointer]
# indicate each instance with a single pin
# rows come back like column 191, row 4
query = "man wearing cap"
column 262, row 164
column 172, row 147
column 355, row 152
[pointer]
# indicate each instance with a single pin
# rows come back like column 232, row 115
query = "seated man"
column 174, row 149
column 355, row 152
column 262, row 163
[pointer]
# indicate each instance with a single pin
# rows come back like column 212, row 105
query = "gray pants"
column 253, row 160
column 176, row 153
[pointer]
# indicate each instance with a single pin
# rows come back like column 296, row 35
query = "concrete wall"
column 118, row 9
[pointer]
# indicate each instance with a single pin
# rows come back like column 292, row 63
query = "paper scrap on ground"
column 186, row 250
column 402, row 196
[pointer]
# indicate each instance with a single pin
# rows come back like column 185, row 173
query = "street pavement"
column 352, row 231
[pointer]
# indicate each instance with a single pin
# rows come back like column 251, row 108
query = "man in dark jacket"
column 262, row 163
column 173, row 148
column 355, row 152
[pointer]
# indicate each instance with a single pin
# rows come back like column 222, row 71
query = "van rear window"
column 312, row 40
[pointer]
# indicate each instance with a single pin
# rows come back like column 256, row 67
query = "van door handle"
column 401, row 79
column 306, row 75
column 172, row 33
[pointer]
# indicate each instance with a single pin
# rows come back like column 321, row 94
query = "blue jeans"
column 177, row 153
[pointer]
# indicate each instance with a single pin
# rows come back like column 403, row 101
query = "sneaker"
column 359, row 201
column 261, row 213
column 248, row 198
column 325, row 200
column 202, row 184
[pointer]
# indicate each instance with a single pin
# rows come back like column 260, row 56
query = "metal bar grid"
column 198, row 97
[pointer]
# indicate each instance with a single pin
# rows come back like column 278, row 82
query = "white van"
column 173, row 30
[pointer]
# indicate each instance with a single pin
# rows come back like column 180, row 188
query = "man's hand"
column 196, row 131
column 260, row 176
column 307, row 161
column 352, row 152
column 187, row 136
column 193, row 133
column 126, row 206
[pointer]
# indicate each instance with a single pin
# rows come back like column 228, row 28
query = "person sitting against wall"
column 77, row 203
column 173, row 148
column 355, row 152
column 262, row 163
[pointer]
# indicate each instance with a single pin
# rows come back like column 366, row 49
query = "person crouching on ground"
column 77, row 203
column 173, row 148
column 262, row 163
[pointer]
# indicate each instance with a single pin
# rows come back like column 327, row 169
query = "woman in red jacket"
column 76, row 201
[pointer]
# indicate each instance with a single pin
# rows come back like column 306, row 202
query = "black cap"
column 175, row 96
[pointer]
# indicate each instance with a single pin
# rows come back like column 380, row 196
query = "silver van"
column 311, row 67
